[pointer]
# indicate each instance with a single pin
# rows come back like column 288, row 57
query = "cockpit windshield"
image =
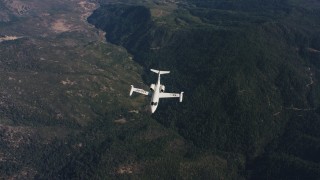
column 154, row 103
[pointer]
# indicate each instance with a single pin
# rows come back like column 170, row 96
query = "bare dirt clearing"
column 60, row 26
column 9, row 38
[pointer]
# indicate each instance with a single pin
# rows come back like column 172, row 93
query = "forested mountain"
column 250, row 72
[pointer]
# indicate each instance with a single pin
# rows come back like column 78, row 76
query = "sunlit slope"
column 55, row 85
column 58, row 80
column 56, row 67
column 249, row 70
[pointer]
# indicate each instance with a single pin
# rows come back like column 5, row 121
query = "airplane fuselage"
column 155, row 96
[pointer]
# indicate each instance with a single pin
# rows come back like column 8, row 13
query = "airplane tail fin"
column 158, row 71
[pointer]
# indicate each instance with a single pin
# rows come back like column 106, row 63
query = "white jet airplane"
column 157, row 91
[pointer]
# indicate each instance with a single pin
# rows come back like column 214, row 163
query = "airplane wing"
column 171, row 95
column 141, row 91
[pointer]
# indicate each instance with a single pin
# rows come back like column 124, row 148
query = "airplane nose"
column 153, row 109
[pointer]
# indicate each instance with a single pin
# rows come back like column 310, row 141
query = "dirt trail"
column 9, row 38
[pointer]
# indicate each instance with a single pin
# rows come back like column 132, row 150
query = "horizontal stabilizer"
column 158, row 71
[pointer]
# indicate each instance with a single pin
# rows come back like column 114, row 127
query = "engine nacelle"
column 162, row 88
column 152, row 86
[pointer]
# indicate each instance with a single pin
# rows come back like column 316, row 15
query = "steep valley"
column 249, row 69
column 246, row 69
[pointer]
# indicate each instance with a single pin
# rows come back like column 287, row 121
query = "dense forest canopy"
column 245, row 67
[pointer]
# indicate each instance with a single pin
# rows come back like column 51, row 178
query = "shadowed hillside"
column 249, row 70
